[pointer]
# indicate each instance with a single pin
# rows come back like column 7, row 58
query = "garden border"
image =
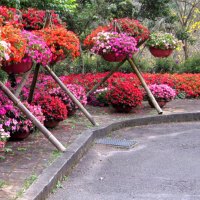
column 47, row 181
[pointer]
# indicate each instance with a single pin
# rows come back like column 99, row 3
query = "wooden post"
column 150, row 95
column 106, row 78
column 22, row 83
column 32, row 88
column 61, row 84
column 30, row 116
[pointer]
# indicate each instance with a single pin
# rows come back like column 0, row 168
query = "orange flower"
column 18, row 44
column 63, row 43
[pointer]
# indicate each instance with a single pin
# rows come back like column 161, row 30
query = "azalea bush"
column 162, row 92
column 162, row 40
column 112, row 42
column 77, row 90
column 62, row 43
column 13, row 121
column 37, row 49
column 124, row 94
column 52, row 107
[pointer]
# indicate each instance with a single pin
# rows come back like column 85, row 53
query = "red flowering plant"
column 132, row 28
column 34, row 19
column 52, row 107
column 77, row 90
column 124, row 95
column 62, row 43
column 10, row 16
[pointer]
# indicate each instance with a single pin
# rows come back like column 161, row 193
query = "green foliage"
column 165, row 65
column 3, row 76
column 192, row 64
column 151, row 9
column 58, row 5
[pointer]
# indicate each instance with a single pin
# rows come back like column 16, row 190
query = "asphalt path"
column 164, row 165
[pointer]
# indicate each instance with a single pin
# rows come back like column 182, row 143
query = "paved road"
column 165, row 165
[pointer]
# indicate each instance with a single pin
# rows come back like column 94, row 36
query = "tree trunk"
column 185, row 49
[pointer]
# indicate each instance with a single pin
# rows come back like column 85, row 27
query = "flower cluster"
column 34, row 19
column 162, row 92
column 132, row 28
column 3, row 135
column 52, row 107
column 17, row 42
column 14, row 121
column 37, row 49
column 113, row 42
column 77, row 90
column 124, row 93
column 9, row 16
column 162, row 40
column 61, row 42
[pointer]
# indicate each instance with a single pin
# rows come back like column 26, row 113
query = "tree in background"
column 188, row 21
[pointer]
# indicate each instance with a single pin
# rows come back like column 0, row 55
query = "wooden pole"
column 22, row 83
column 30, row 116
column 150, row 95
column 61, row 84
column 106, row 78
column 32, row 88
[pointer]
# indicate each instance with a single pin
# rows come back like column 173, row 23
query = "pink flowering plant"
column 162, row 92
column 14, row 121
column 77, row 90
column 37, row 49
column 113, row 42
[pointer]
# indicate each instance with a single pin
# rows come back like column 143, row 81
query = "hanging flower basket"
column 18, row 68
column 160, row 53
column 111, row 57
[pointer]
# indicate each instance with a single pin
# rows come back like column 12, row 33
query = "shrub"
column 124, row 93
column 52, row 107
column 192, row 64
column 165, row 65
column 162, row 91
column 77, row 90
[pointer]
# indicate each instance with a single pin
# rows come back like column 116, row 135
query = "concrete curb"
column 45, row 183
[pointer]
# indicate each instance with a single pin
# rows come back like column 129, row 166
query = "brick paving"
column 27, row 159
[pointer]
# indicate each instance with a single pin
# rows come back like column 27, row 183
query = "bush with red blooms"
column 124, row 93
column 52, row 107
column 125, row 25
column 9, row 16
column 34, row 19
column 62, row 43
